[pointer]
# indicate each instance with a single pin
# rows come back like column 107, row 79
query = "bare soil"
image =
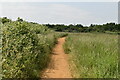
column 58, row 66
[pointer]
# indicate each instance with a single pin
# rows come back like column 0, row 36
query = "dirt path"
column 58, row 67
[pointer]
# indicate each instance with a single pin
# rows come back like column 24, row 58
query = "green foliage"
column 93, row 55
column 19, row 19
column 5, row 20
column 25, row 49
column 80, row 28
column 0, row 48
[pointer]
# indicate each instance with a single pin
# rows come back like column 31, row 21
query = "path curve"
column 58, row 66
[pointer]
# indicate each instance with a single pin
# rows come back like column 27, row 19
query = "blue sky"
column 85, row 13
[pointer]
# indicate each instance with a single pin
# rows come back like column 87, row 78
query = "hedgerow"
column 25, row 49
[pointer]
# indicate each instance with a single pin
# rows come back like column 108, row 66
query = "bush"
column 25, row 49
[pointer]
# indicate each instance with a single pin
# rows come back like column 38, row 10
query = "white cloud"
column 52, row 13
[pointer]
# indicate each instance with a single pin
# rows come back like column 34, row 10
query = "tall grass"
column 93, row 55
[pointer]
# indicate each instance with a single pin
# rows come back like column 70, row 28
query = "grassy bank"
column 26, row 48
column 93, row 55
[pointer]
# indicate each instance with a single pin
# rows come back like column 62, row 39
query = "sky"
column 59, row 0
column 84, row 13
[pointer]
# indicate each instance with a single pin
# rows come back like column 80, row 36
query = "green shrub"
column 25, row 49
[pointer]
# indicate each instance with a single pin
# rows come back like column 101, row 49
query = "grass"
column 93, row 55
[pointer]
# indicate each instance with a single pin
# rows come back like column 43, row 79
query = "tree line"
column 108, row 27
column 111, row 27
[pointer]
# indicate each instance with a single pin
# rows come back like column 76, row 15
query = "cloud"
column 66, row 13
column 49, row 13
column 55, row 13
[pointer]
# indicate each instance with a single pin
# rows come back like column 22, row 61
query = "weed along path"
column 58, row 66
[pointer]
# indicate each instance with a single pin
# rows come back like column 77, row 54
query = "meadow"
column 93, row 55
